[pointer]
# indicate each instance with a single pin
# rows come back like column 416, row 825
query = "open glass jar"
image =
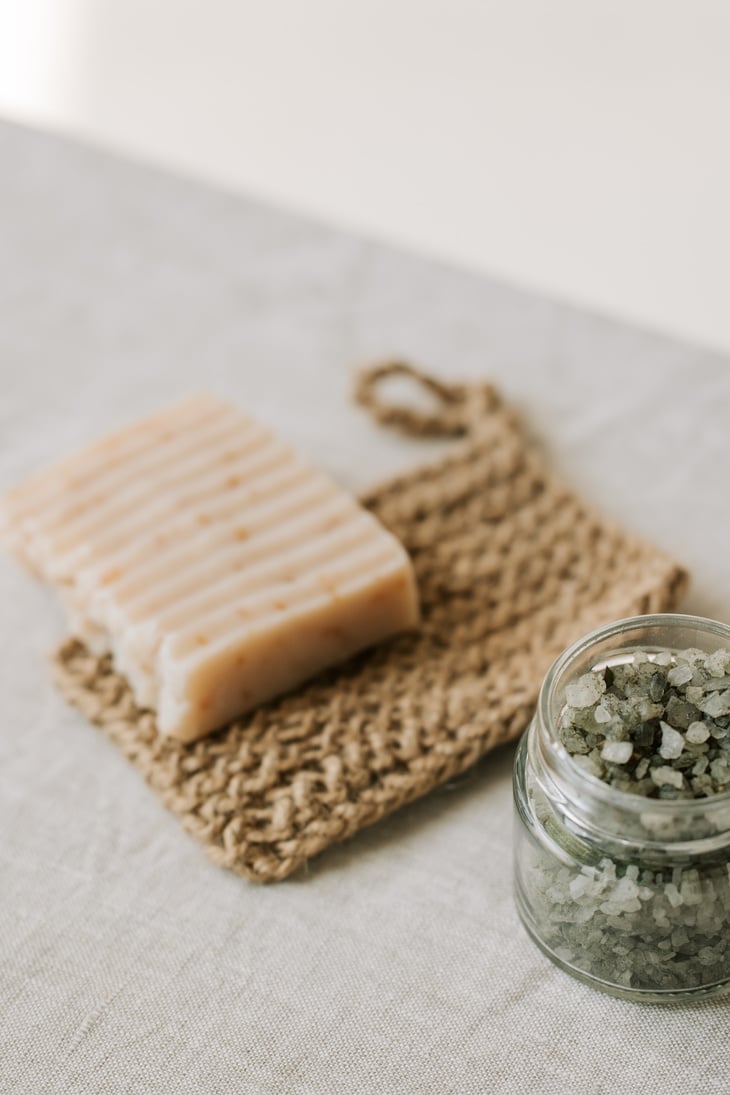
column 628, row 893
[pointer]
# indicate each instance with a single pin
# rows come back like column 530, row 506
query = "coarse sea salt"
column 622, row 908
column 645, row 725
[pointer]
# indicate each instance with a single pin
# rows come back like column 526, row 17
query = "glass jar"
column 630, row 894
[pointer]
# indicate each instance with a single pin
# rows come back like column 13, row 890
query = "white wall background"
column 578, row 146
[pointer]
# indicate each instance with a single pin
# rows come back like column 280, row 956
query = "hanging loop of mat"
column 458, row 406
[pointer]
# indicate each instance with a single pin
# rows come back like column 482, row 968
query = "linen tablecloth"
column 128, row 962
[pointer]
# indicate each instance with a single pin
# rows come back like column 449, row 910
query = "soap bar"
column 217, row 566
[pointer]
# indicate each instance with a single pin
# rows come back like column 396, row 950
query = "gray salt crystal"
column 657, row 685
column 680, row 713
column 623, row 675
column 574, row 742
column 716, row 684
column 644, row 735
column 679, row 938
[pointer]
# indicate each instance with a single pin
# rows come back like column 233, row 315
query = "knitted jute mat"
column 511, row 568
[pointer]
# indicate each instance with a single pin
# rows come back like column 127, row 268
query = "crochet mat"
column 511, row 568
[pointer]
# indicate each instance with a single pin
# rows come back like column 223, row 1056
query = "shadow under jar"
column 630, row 894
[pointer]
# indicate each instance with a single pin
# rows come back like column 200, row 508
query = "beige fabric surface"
column 129, row 963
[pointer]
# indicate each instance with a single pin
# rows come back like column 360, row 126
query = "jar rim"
column 563, row 761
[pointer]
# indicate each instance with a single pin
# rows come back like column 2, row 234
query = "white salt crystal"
column 720, row 771
column 717, row 663
column 672, row 743
column 588, row 764
column 648, row 710
column 667, row 777
column 673, row 895
column 716, row 705
column 641, row 768
column 691, row 891
column 697, row 732
column 617, row 752
column 625, row 890
column 578, row 886
column 657, row 824
column 602, row 714
column 608, row 869
column 681, row 674
column 586, row 691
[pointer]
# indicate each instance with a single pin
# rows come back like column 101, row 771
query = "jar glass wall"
column 628, row 893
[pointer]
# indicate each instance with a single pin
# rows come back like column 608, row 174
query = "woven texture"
column 511, row 567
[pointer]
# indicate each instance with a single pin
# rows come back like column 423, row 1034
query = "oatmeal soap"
column 216, row 566
column 622, row 809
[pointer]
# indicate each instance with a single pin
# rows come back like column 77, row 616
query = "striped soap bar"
column 217, row 566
